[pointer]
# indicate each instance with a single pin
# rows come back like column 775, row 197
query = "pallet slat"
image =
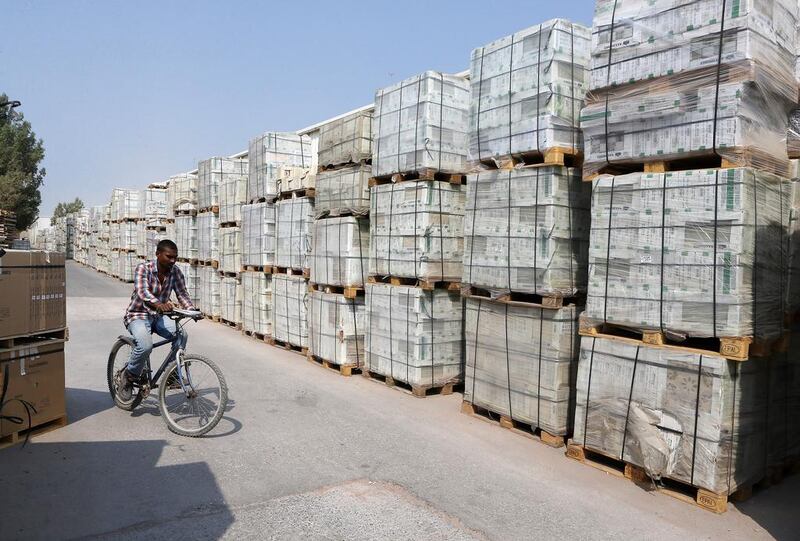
column 524, row 429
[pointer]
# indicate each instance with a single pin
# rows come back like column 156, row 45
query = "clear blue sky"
column 127, row 93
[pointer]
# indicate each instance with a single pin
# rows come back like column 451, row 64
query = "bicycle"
column 187, row 407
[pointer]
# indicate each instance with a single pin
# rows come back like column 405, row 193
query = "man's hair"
column 166, row 244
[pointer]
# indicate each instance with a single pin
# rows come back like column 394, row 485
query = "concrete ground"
column 305, row 453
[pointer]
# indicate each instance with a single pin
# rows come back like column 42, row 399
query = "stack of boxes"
column 339, row 258
column 232, row 194
column 419, row 153
column 154, row 220
column 695, row 246
column 526, row 227
column 125, row 212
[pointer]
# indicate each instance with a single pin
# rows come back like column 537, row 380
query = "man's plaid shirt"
column 147, row 290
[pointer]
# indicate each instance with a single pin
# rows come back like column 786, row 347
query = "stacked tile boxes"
column 232, row 195
column 154, row 220
column 419, row 155
column 267, row 155
column 339, row 258
column 694, row 248
column 526, row 228
column 125, row 211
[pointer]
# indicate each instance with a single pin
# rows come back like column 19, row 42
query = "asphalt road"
column 305, row 453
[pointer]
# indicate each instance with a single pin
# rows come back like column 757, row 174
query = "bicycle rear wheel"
column 117, row 359
column 194, row 408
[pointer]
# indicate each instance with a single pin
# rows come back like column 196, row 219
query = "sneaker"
column 125, row 386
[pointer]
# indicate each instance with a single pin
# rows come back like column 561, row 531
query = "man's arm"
column 181, row 292
column 142, row 286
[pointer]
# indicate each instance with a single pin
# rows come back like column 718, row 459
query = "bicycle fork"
column 184, row 378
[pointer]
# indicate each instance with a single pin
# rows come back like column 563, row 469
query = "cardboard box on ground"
column 32, row 292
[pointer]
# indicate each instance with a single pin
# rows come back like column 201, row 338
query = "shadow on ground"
column 776, row 508
column 105, row 488
column 82, row 403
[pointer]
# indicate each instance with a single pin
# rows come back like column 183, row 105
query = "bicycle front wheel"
column 193, row 402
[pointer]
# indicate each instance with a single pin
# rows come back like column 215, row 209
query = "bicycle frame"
column 153, row 379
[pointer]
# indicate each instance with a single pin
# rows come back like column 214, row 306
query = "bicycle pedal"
column 144, row 390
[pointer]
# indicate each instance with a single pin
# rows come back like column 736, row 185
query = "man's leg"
column 166, row 327
column 142, row 336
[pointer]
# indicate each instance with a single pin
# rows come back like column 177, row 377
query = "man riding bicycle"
column 154, row 282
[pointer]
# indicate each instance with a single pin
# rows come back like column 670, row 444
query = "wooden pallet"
column 733, row 348
column 343, row 213
column 188, row 260
column 213, row 208
column 159, row 228
column 257, row 268
column 711, row 501
column 292, row 271
column 215, row 319
column 295, row 194
column 777, row 472
column 427, row 285
column 349, row 292
column 524, row 429
column 237, row 326
column 563, row 156
column 228, row 274
column 124, row 250
column 125, row 220
column 20, row 436
column 287, row 346
column 344, row 369
column 422, row 174
column 419, row 391
column 520, row 299
column 337, row 166
column 706, row 159
column 10, row 342
column 228, row 224
column 255, row 200
column 257, row 336
column 207, row 263
column 185, row 212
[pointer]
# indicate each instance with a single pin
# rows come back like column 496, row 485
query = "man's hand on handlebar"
column 164, row 307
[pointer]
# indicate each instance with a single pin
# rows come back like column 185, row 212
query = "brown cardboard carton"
column 15, row 287
column 35, row 374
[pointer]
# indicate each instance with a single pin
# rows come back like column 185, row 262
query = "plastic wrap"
column 207, row 236
column 152, row 238
column 294, row 219
column 124, row 236
column 230, row 299
column 421, row 123
column 211, row 173
column 417, row 230
column 182, row 193
column 527, row 231
column 670, row 85
column 123, row 265
column 793, row 244
column 290, row 309
column 337, row 327
column 521, row 362
column 186, row 236
column 527, row 91
column 698, row 419
column 257, row 302
column 706, row 256
column 341, row 251
column 125, row 204
column 230, row 249
column 413, row 335
column 343, row 191
column 258, row 233
column 154, row 205
column 191, row 277
column 209, row 301
column 291, row 178
column 267, row 153
column 793, row 135
column 141, row 239
column 232, row 194
column 346, row 140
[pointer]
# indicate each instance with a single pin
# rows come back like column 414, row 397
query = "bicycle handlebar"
column 179, row 313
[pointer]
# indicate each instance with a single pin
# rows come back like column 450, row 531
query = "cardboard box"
column 36, row 375
column 32, row 292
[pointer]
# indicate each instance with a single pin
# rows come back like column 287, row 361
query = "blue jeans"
column 142, row 331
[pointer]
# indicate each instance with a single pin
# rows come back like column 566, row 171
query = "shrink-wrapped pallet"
column 207, row 236
column 417, row 230
column 211, row 173
column 125, row 265
column 337, row 327
column 270, row 151
column 124, row 236
column 191, row 277
column 413, row 335
column 292, row 178
column 700, row 253
column 182, row 193
column 343, row 191
column 257, row 302
column 230, row 240
column 527, row 231
column 152, row 238
column 346, row 140
column 232, row 194
column 154, row 204
column 186, row 236
column 294, row 222
column 141, row 238
column 209, row 291
column 230, row 299
column 527, row 92
column 340, row 256
column 125, row 204
column 290, row 309
column 521, row 362
column 697, row 419
column 258, row 234
column 421, row 123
